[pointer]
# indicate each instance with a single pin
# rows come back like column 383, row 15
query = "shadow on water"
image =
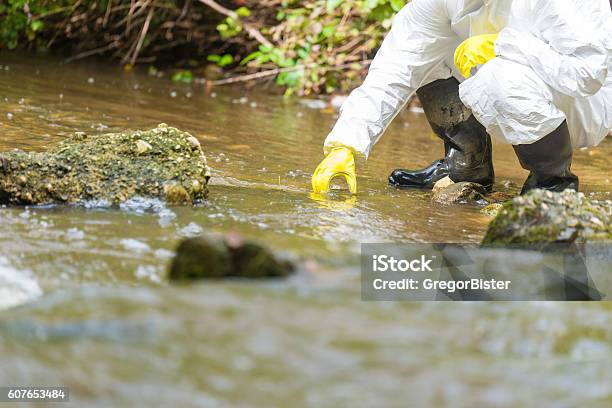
column 119, row 334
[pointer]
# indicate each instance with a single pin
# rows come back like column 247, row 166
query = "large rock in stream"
column 160, row 163
column 543, row 217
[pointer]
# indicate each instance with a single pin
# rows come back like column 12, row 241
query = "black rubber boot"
column 467, row 145
column 549, row 161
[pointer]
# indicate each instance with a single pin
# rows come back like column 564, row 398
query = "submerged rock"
column 542, row 217
column 463, row 192
column 158, row 163
column 228, row 257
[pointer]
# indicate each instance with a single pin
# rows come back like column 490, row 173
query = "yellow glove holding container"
column 338, row 163
column 474, row 51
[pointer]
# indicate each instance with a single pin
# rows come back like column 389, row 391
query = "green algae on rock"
column 543, row 217
column 161, row 163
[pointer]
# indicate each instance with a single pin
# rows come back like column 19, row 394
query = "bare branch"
column 143, row 34
column 252, row 31
column 276, row 71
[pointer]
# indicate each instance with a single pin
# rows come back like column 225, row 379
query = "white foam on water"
column 16, row 286
column 148, row 272
column 134, row 245
column 191, row 230
column 142, row 205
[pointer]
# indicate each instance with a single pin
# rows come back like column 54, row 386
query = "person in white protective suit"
column 533, row 73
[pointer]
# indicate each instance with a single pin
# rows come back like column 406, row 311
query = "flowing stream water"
column 84, row 301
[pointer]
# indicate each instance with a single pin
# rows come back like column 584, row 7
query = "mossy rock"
column 158, row 163
column 231, row 256
column 544, row 217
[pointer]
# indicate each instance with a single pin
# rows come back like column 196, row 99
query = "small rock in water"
column 443, row 183
column 492, row 209
column 464, row 192
column 176, row 194
column 9, row 116
column 228, row 257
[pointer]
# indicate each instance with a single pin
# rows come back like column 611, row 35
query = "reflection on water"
column 118, row 332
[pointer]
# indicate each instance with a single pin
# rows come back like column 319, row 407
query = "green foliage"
column 323, row 45
column 316, row 46
column 185, row 76
column 230, row 27
column 22, row 20
column 221, row 60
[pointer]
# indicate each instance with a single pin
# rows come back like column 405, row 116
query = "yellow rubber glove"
column 338, row 163
column 475, row 51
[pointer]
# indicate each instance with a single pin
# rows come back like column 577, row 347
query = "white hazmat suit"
column 554, row 63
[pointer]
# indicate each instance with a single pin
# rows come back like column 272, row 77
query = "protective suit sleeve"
column 563, row 44
column 412, row 53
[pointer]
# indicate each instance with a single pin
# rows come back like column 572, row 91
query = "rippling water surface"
column 86, row 303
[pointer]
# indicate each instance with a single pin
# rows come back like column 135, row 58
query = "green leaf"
column 333, row 4
column 291, row 79
column 397, row 5
column 286, row 63
column 303, row 54
column 243, row 12
column 252, row 56
column 226, row 60
column 328, row 30
column 370, row 4
column 381, row 13
column 36, row 25
column 183, row 76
